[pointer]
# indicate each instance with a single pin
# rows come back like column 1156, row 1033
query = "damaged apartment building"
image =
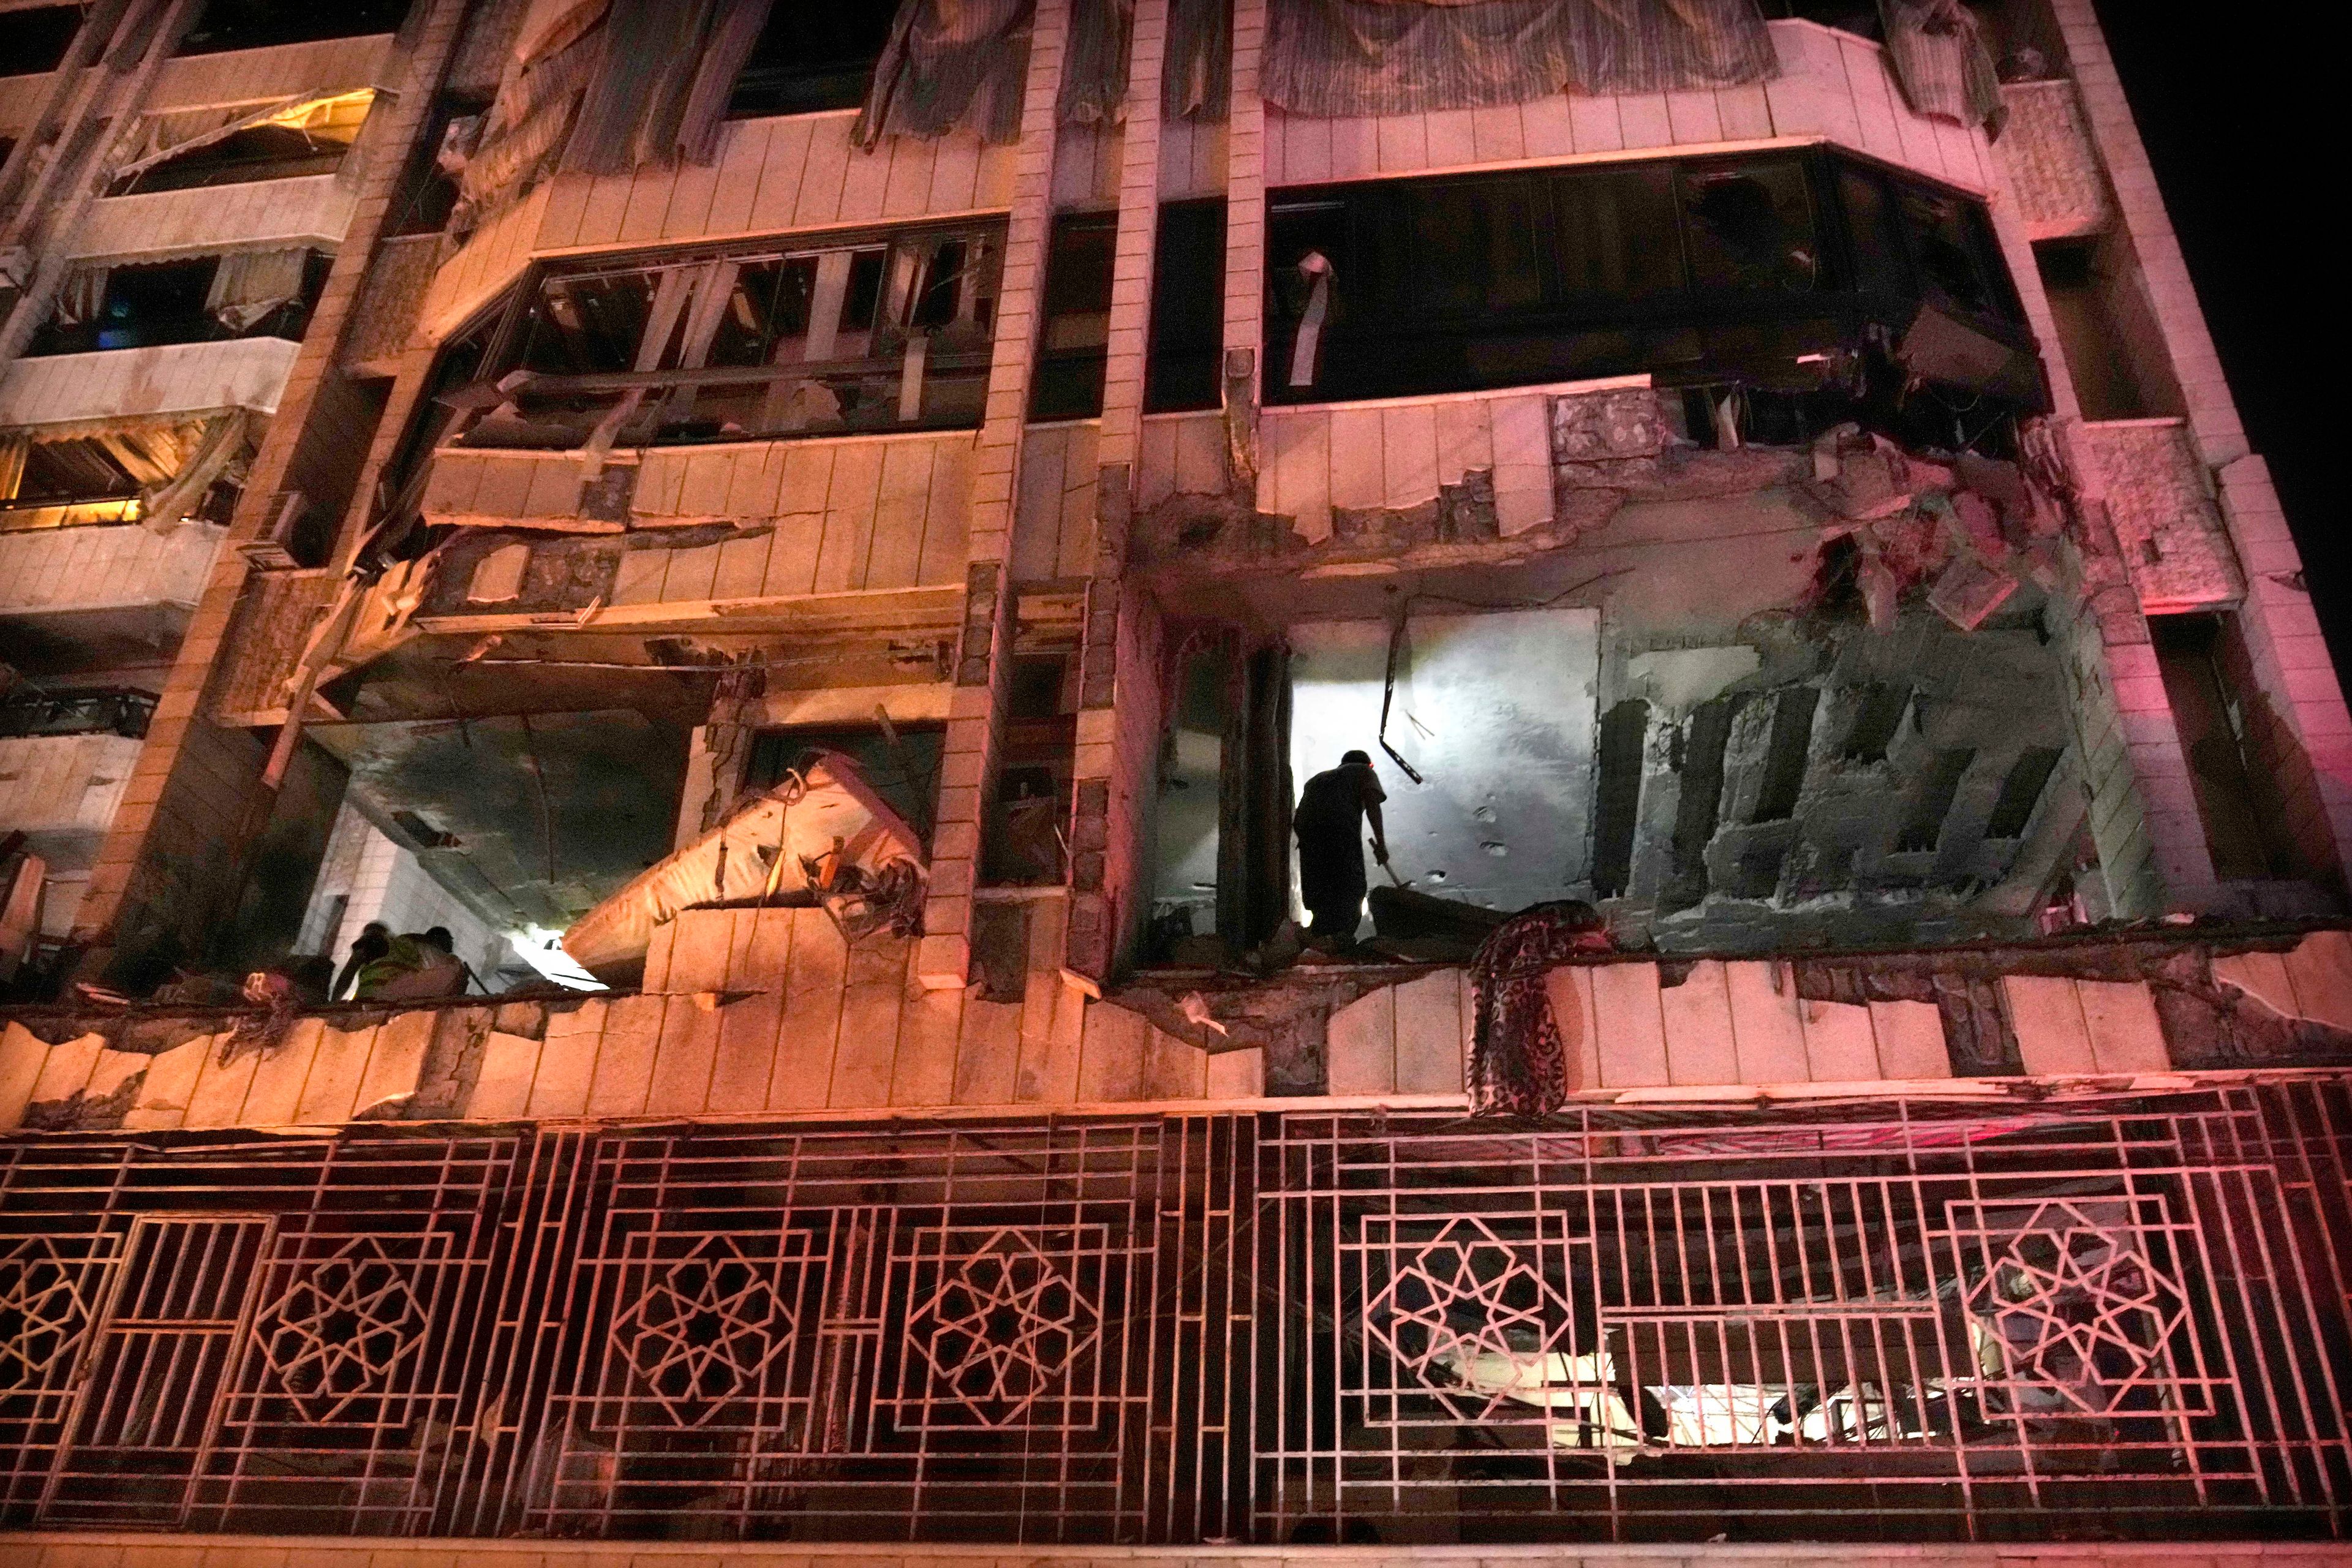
column 657, row 663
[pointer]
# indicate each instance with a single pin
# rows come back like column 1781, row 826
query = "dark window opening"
column 1075, row 336
column 812, row 57
column 2237, row 799
column 34, row 42
column 901, row 763
column 149, row 305
column 265, row 24
column 2083, row 296
column 1024, row 844
column 881, row 333
column 1760, row 272
column 1787, row 755
column 2020, row 791
column 1875, row 721
column 427, row 192
column 1186, row 349
column 1939, row 786
column 1624, row 730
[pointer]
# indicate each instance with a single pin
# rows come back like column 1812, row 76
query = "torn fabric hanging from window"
column 1941, row 62
column 249, row 286
column 1333, row 58
column 601, row 86
column 1094, row 68
column 81, row 295
column 1197, row 75
column 951, row 65
column 164, row 507
column 665, row 73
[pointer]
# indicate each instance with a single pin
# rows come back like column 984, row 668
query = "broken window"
column 119, row 471
column 265, row 24
column 887, row 331
column 1749, row 271
column 812, row 57
column 1188, row 309
column 1071, row 352
column 34, row 40
column 247, row 294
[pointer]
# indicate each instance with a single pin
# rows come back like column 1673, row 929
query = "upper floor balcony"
column 167, row 379
column 94, row 597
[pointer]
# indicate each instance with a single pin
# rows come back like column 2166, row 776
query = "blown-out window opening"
column 853, row 332
column 1768, row 270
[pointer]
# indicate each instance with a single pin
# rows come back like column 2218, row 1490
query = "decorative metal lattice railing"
column 1921, row 1321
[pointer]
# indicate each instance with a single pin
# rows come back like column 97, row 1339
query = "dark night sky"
column 2231, row 116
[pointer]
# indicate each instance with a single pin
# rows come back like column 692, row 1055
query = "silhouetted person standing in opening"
column 1329, row 823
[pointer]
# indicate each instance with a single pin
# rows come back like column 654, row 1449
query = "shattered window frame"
column 1681, row 304
column 903, row 322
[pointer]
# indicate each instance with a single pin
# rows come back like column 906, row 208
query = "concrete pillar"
column 983, row 665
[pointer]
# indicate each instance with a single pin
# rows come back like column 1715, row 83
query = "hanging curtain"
column 162, row 508
column 1941, row 62
column 951, row 65
column 249, row 286
column 1094, row 67
column 14, row 447
column 1197, row 72
column 665, row 73
column 81, row 295
column 1343, row 58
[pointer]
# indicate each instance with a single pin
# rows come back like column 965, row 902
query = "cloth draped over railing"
column 1094, row 65
column 162, row 507
column 1942, row 61
column 602, row 86
column 951, row 65
column 1335, row 58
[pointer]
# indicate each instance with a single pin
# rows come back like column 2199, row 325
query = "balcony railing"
column 1918, row 1322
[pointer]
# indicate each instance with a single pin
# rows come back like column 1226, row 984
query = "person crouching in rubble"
column 1329, row 823
column 418, row 966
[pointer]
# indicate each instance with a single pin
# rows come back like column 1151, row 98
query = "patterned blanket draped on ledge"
column 1518, row 1061
column 1341, row 58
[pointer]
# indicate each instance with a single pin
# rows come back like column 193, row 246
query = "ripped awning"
column 331, row 118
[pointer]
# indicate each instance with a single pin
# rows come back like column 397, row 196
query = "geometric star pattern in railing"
column 1002, row 1326
column 1469, row 1305
column 45, row 1307
column 340, row 1328
column 2077, row 1308
column 705, row 1330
